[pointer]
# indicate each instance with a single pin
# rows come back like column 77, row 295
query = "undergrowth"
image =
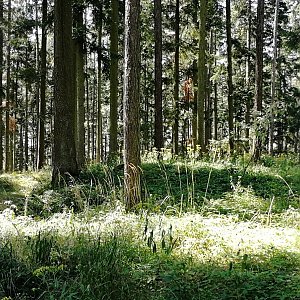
column 205, row 229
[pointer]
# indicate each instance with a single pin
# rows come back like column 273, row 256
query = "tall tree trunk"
column 176, row 81
column 64, row 150
column 1, row 87
column 208, row 106
column 273, row 79
column 248, row 72
column 229, row 74
column 88, row 115
column 21, row 146
column 158, row 135
column 42, row 104
column 8, row 151
column 99, row 155
column 215, row 120
column 37, row 89
column 26, row 118
column 259, row 77
column 132, row 68
column 194, row 108
column 78, row 10
column 202, row 75
column 114, row 59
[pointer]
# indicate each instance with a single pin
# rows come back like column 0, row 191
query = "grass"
column 205, row 230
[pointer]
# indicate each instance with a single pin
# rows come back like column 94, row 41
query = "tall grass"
column 205, row 230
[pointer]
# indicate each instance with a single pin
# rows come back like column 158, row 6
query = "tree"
column 176, row 81
column 1, row 85
column 42, row 103
column 229, row 74
column 79, row 39
column 273, row 78
column 114, row 59
column 99, row 150
column 64, row 150
column 158, row 134
column 202, row 75
column 248, row 72
column 131, row 103
column 259, row 77
column 8, row 136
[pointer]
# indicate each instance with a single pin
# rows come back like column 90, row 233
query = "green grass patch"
column 204, row 230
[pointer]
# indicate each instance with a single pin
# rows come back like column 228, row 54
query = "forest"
column 150, row 149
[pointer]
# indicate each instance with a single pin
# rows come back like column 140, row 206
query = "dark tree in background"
column 259, row 77
column 79, row 64
column 176, row 81
column 229, row 75
column 64, row 150
column 131, row 103
column 158, row 134
column 114, row 82
column 202, row 76
column 1, row 86
column 42, row 102
column 8, row 133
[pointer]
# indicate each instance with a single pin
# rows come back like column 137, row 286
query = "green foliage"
column 239, row 242
column 115, row 267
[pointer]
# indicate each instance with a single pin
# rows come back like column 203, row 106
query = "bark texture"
column 132, row 104
column 64, row 152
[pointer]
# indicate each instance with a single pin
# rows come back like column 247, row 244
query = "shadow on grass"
column 115, row 268
column 185, row 183
column 10, row 194
column 6, row 185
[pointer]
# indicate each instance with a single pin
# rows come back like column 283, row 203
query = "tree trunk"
column 215, row 119
column 26, row 121
column 42, row 106
column 259, row 77
column 229, row 74
column 132, row 104
column 273, row 80
column 78, row 10
column 176, row 82
column 114, row 59
column 99, row 155
column 8, row 151
column 194, row 108
column 37, row 90
column 64, row 151
column 248, row 72
column 158, row 135
column 202, row 75
column 1, row 86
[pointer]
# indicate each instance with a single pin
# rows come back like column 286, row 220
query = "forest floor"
column 205, row 230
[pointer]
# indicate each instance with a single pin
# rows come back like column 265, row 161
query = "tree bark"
column 99, row 151
column 78, row 10
column 273, row 79
column 229, row 78
column 176, row 82
column 259, row 77
column 42, row 104
column 132, row 104
column 1, row 86
column 114, row 82
column 8, row 151
column 202, row 75
column 158, row 133
column 64, row 151
column 248, row 72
